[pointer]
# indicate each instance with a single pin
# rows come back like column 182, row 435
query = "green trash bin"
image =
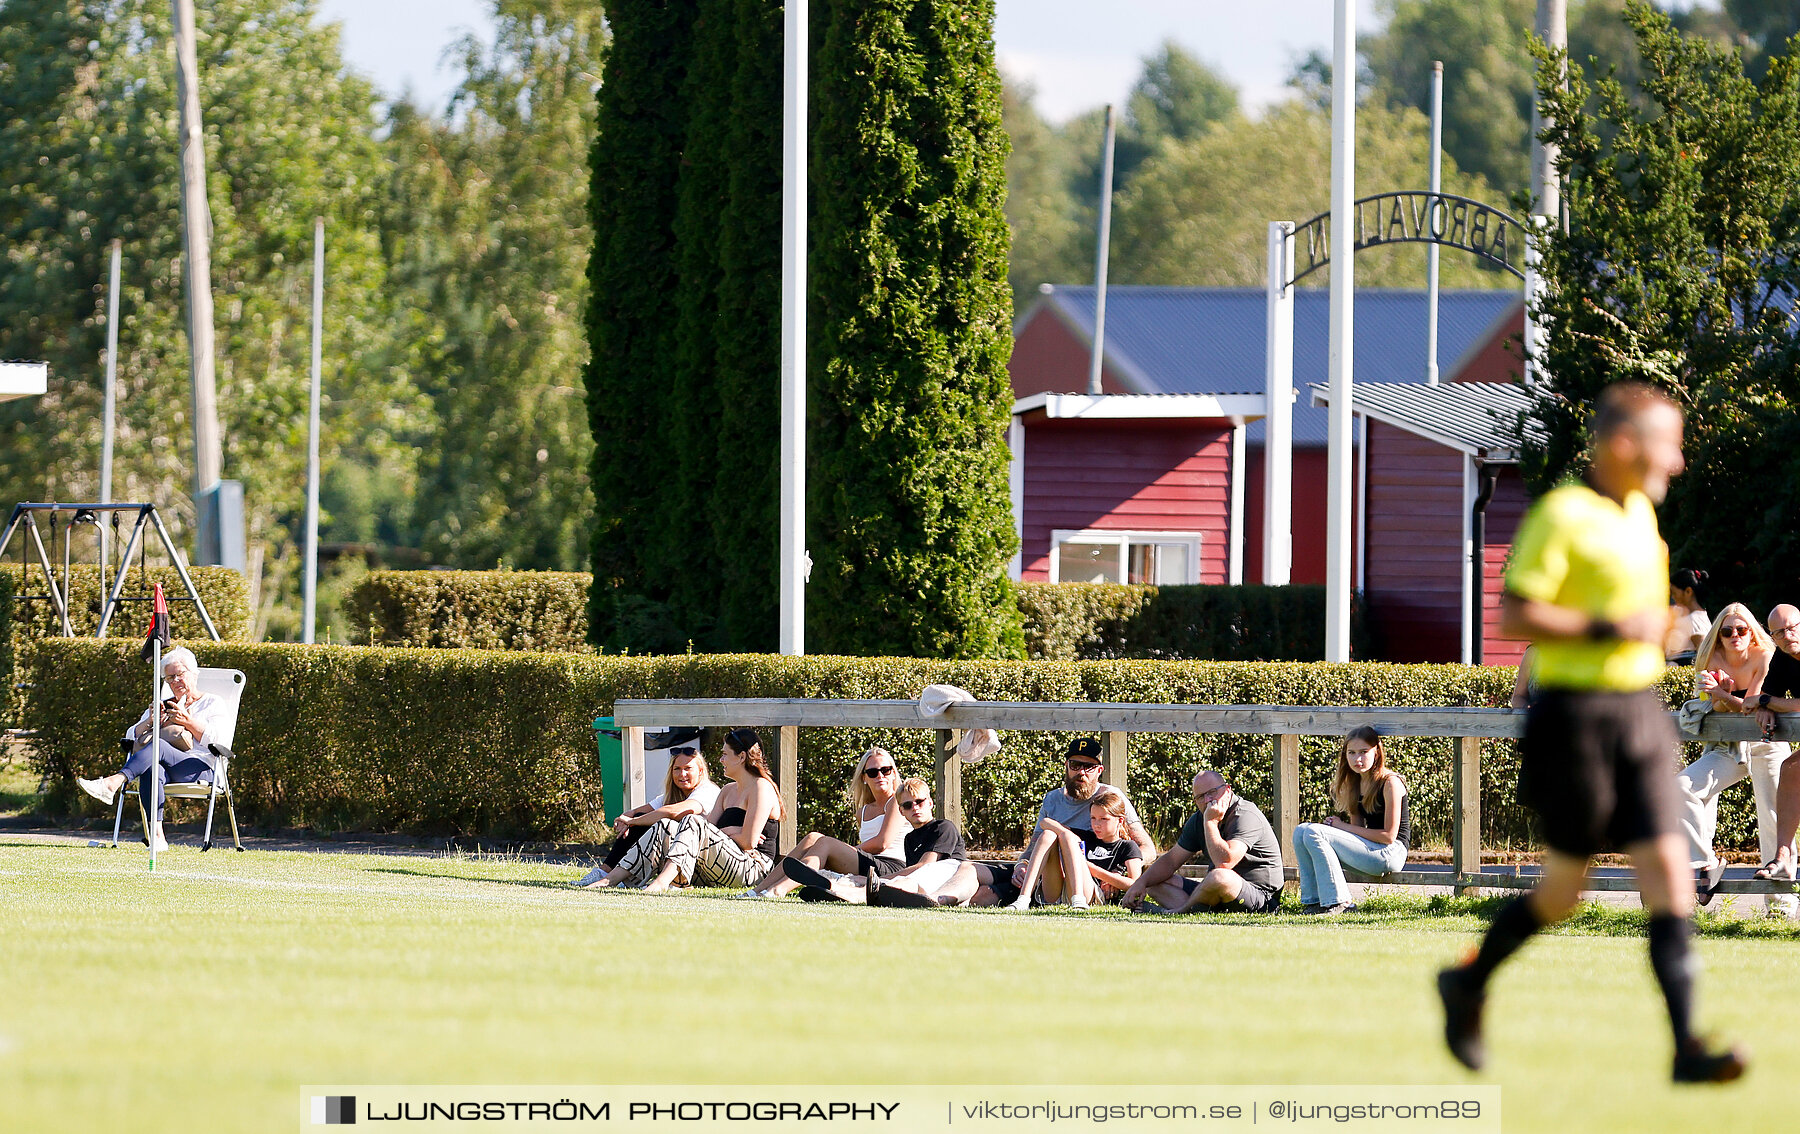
column 612, row 767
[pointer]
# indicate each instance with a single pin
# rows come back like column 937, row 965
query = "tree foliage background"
column 454, row 289
column 456, row 357
column 1681, row 267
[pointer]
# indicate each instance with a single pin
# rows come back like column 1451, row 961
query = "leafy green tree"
column 1487, row 77
column 909, row 522
column 1050, row 244
column 88, row 153
column 641, row 125
column 1178, row 98
column 1198, row 213
column 488, row 236
column 1488, row 71
column 1678, row 268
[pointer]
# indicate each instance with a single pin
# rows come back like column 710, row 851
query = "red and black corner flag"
column 159, row 625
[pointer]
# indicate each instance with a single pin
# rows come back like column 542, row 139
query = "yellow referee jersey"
column 1577, row 548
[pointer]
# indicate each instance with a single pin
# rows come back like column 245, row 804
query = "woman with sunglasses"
column 880, row 836
column 1729, row 668
column 732, row 844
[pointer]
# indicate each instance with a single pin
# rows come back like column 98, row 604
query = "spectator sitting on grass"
column 1232, row 837
column 1371, row 838
column 733, row 844
column 178, row 755
column 1067, row 805
column 879, row 849
column 1082, row 865
column 935, row 855
column 687, row 790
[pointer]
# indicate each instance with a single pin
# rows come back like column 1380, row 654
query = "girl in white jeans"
column 1372, row 836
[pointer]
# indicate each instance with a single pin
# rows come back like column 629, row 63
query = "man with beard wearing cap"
column 1067, row 805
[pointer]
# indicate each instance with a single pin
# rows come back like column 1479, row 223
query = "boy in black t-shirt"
column 935, row 854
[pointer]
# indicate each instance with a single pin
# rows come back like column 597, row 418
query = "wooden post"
column 635, row 795
column 1116, row 760
column 788, row 775
column 949, row 776
column 1287, row 794
column 1465, row 790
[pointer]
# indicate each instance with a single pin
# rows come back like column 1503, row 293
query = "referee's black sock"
column 1513, row 925
column 1673, row 962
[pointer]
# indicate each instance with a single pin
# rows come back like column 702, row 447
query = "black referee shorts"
column 1598, row 769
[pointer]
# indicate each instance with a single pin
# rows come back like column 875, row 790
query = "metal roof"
column 1199, row 340
column 1475, row 417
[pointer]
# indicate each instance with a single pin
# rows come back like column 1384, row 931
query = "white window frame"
column 1123, row 541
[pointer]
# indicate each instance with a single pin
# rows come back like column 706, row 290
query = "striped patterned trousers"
column 703, row 855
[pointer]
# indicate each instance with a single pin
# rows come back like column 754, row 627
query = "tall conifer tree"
column 910, row 524
column 641, row 126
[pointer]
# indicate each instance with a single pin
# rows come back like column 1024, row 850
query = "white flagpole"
column 1343, row 337
column 793, row 557
column 155, row 739
column 309, row 585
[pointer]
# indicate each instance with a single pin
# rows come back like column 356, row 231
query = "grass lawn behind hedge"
column 260, row 972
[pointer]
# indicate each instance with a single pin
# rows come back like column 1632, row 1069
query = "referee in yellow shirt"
column 1588, row 586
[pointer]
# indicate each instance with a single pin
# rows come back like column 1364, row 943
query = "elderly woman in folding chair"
column 179, row 755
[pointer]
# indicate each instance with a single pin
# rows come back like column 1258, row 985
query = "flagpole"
column 155, row 728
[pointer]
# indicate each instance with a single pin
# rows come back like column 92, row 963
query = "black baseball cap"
column 1083, row 748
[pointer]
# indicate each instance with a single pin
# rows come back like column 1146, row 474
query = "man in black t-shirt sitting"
column 1230, row 835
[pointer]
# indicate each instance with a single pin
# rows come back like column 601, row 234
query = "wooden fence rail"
column 1115, row 722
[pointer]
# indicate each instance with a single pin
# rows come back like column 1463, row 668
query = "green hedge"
column 542, row 610
column 499, row 742
column 224, row 591
column 489, row 610
column 1065, row 621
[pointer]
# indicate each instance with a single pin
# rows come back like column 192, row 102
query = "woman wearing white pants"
column 1729, row 668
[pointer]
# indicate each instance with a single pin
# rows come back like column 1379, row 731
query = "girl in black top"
column 1371, row 837
column 1079, row 865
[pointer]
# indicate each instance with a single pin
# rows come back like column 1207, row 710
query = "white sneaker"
column 162, row 844
column 753, row 892
column 1078, row 902
column 99, row 789
column 593, row 877
column 1018, row 905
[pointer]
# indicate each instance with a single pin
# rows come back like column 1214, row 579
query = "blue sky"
column 1077, row 53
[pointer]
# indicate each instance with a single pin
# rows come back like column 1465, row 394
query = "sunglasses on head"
column 876, row 771
column 685, row 750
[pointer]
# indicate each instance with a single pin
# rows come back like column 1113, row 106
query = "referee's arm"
column 1539, row 621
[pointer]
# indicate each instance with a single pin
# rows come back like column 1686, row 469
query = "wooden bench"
column 1115, row 722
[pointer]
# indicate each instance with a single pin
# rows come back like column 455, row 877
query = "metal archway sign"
column 1416, row 216
column 1412, row 216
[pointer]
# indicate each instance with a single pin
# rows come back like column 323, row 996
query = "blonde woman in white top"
column 881, row 830
column 1729, row 669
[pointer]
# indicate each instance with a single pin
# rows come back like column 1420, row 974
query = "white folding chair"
column 228, row 686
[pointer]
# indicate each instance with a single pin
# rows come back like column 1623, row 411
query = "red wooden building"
column 1159, row 479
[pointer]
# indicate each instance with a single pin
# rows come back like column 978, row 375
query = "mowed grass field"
column 203, row 996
